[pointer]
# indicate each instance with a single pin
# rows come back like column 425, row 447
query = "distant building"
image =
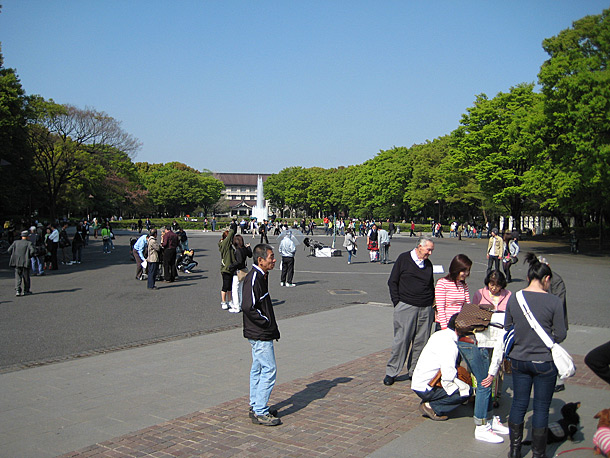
column 240, row 191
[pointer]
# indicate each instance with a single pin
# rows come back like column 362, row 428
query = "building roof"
column 237, row 179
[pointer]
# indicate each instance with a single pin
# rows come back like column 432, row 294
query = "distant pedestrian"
column 372, row 241
column 287, row 249
column 138, row 253
column 511, row 250
column 54, row 245
column 495, row 248
column 77, row 246
column 170, row 244
column 140, row 226
column 239, row 269
column 21, row 252
column 412, row 227
column 64, row 244
column 350, row 244
column 384, row 246
column 260, row 328
column 227, row 259
column 39, row 251
column 106, row 239
column 152, row 260
column 263, row 232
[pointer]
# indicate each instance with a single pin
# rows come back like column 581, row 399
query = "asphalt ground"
column 98, row 306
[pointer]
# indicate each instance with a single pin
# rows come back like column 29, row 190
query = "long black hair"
column 537, row 269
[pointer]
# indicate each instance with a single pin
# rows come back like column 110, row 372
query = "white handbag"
column 562, row 359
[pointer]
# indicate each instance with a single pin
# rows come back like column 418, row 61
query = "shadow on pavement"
column 313, row 392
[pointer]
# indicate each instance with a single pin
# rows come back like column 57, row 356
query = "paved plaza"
column 95, row 365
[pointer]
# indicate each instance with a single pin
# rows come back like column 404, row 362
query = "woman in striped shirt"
column 452, row 291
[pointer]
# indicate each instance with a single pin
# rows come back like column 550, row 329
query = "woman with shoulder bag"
column 242, row 253
column 531, row 360
column 349, row 244
column 511, row 251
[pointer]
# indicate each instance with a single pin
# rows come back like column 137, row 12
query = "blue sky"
column 257, row 86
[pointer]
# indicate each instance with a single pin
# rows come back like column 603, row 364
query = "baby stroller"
column 185, row 262
column 312, row 245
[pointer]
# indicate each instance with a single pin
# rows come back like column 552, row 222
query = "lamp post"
column 89, row 201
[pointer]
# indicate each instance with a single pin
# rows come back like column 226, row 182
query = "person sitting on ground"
column 440, row 354
column 185, row 262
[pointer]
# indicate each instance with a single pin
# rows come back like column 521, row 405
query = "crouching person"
column 439, row 354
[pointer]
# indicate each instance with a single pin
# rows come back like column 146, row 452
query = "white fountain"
column 260, row 209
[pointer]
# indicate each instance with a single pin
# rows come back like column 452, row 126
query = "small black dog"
column 566, row 427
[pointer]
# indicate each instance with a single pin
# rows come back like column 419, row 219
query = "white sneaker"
column 224, row 305
column 282, row 283
column 290, row 285
column 497, row 426
column 233, row 310
column 485, row 433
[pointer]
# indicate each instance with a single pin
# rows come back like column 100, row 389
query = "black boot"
column 515, row 434
column 539, row 442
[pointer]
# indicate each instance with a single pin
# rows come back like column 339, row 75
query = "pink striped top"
column 450, row 297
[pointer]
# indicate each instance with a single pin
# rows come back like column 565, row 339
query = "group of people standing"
column 39, row 249
column 234, row 254
column 150, row 252
column 433, row 360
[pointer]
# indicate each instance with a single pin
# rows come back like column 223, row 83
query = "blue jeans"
column 542, row 375
column 36, row 263
column 349, row 255
column 262, row 375
column 478, row 363
column 441, row 402
column 384, row 250
column 107, row 246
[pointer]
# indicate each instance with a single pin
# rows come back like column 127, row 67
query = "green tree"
column 15, row 154
column 497, row 145
column 576, row 83
column 63, row 137
column 178, row 188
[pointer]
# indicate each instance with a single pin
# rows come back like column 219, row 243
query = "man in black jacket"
column 260, row 328
column 411, row 286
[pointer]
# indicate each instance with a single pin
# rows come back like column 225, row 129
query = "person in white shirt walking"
column 287, row 249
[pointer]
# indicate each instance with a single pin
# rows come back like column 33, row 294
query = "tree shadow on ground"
column 314, row 391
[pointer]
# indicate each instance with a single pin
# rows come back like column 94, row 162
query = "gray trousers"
column 22, row 275
column 411, row 331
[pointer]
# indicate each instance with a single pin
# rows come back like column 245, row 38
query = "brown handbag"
column 462, row 374
column 473, row 317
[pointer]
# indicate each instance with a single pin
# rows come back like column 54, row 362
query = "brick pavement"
column 344, row 411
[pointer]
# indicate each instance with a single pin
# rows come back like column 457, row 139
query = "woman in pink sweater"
column 494, row 293
column 451, row 291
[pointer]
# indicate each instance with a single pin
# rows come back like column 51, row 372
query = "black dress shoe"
column 559, row 388
column 388, row 380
